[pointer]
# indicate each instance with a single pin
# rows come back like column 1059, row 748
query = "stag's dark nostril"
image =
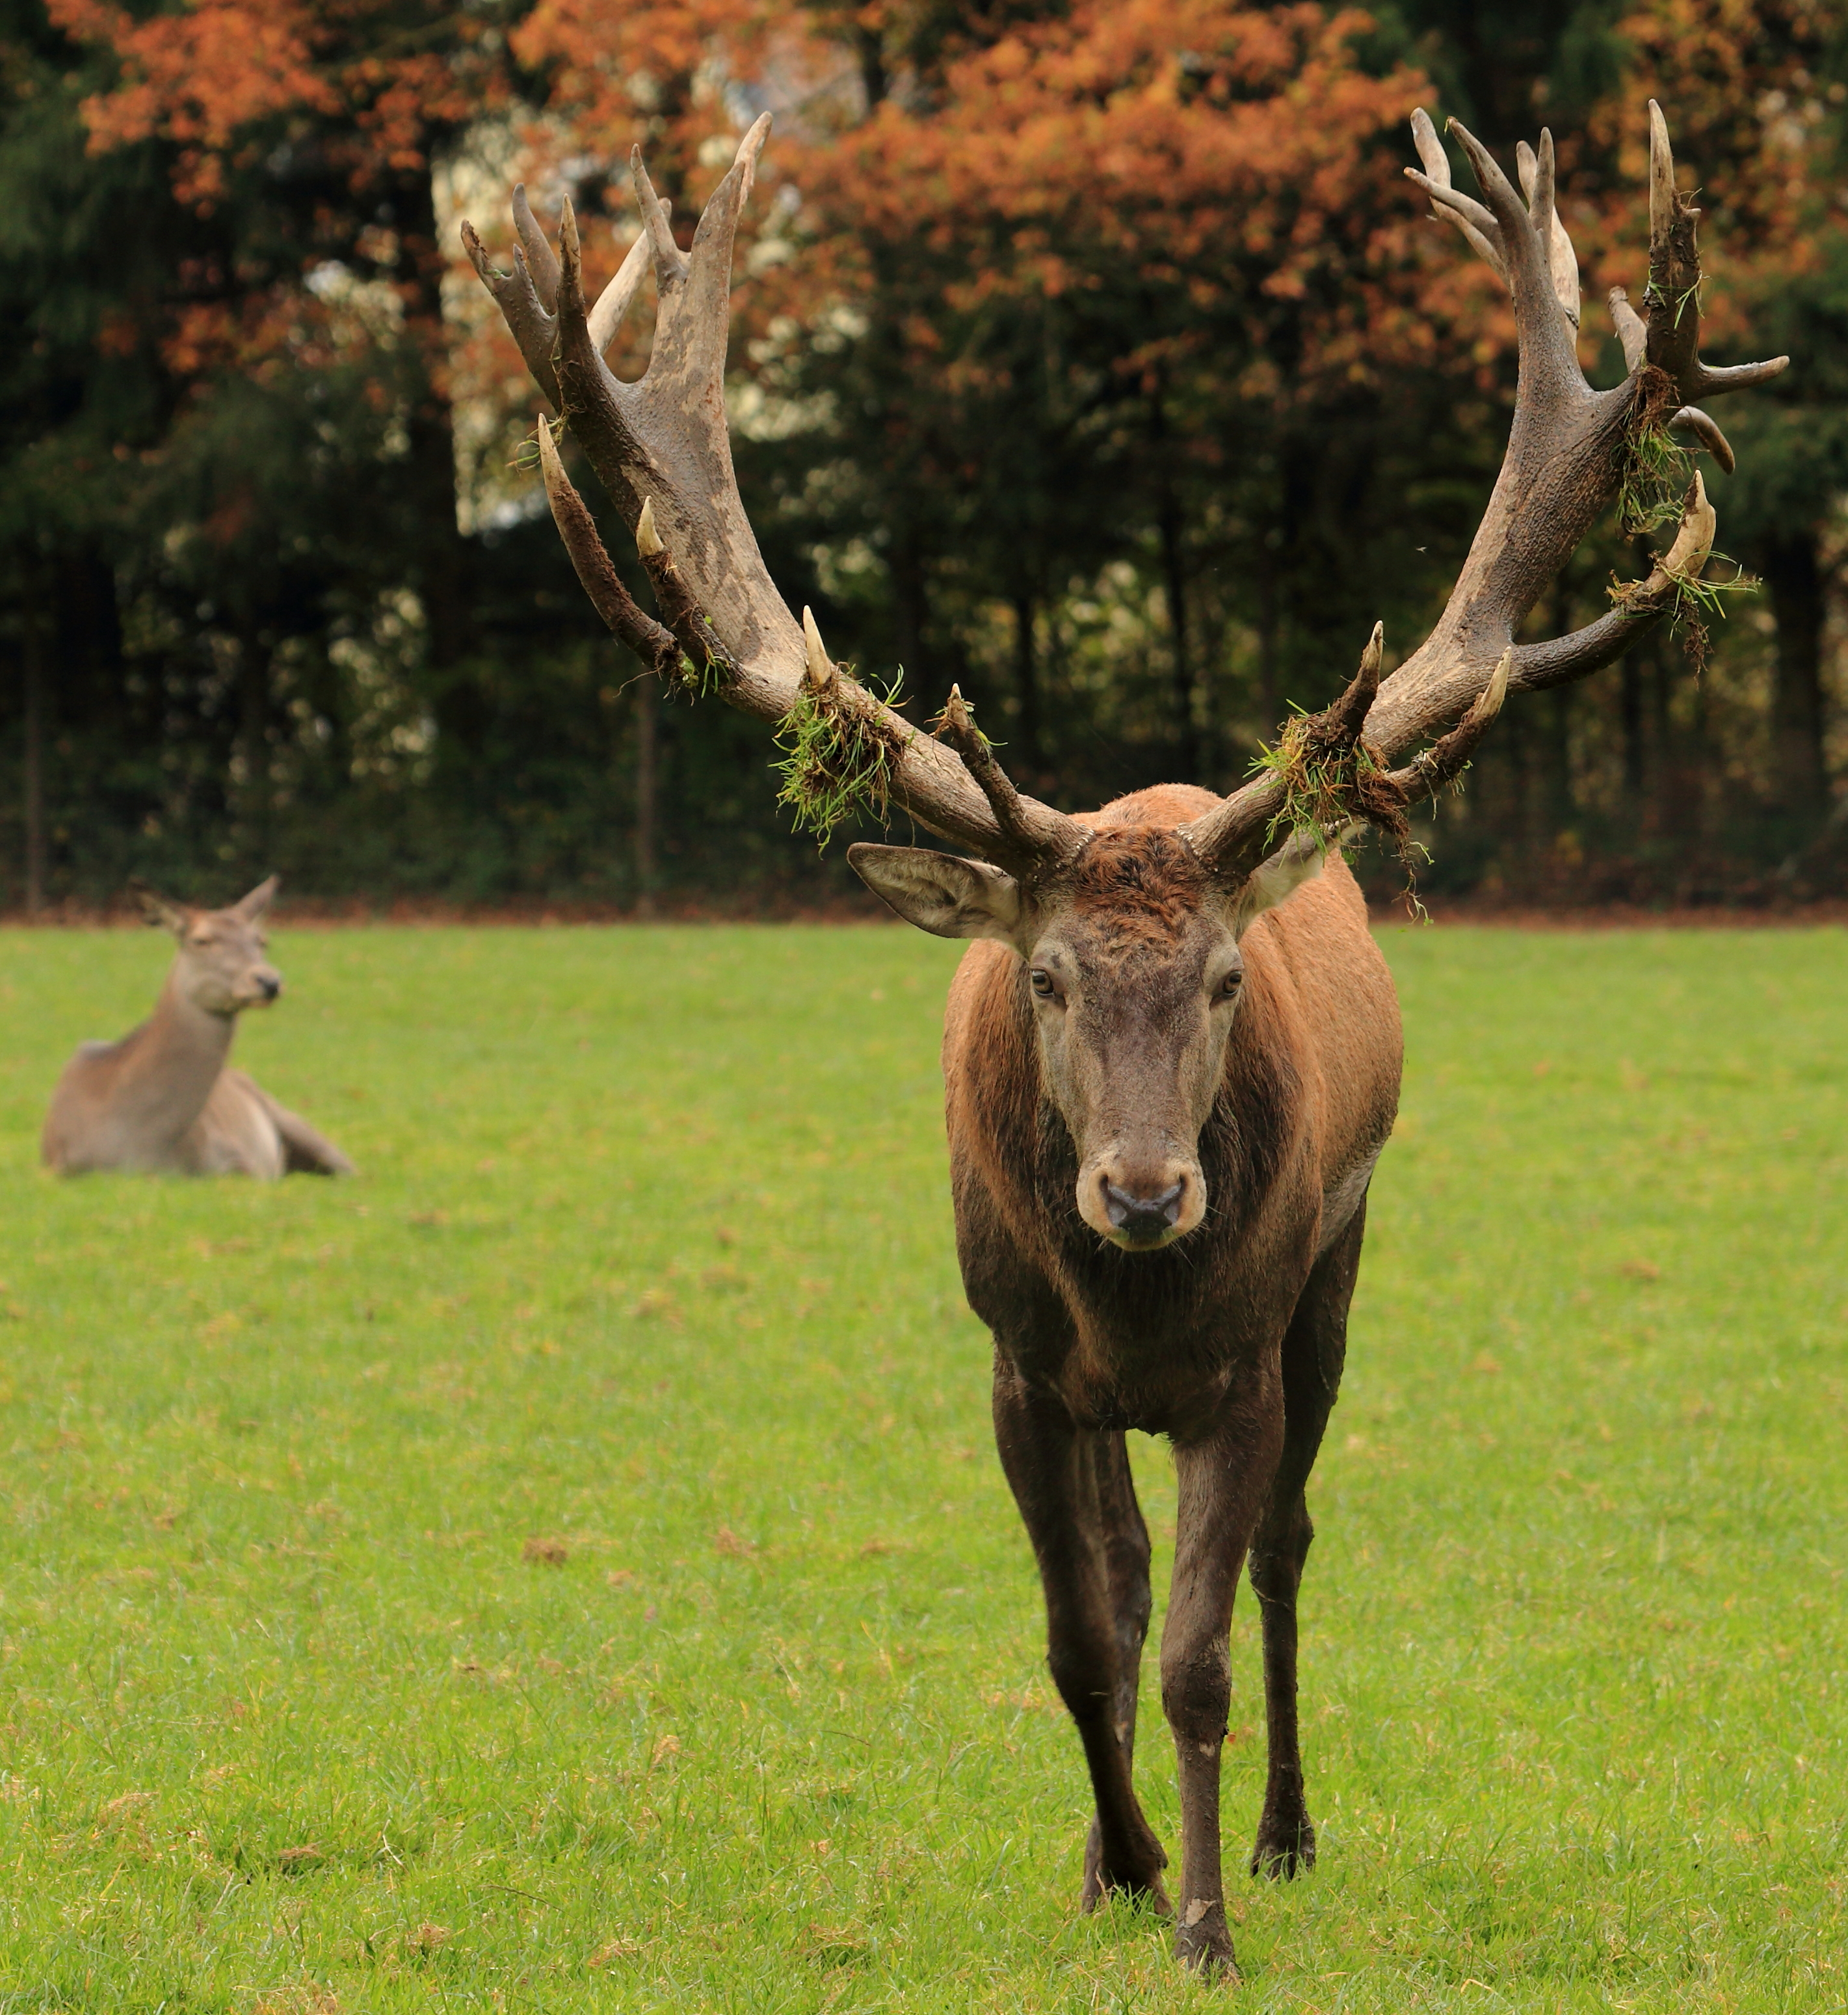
column 1142, row 1216
column 270, row 988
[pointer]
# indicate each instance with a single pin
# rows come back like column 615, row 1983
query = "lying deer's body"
column 1173, row 1059
column 164, row 1098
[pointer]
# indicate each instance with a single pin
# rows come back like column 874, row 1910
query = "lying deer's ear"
column 1299, row 860
column 253, row 906
column 155, row 909
column 940, row 892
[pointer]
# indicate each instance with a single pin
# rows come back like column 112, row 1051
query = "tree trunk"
column 645, row 705
column 1798, row 597
column 1174, row 567
column 439, row 558
column 911, row 614
column 1556, row 758
column 1629, row 707
column 1027, row 687
column 32, row 652
column 1270, row 665
column 252, row 810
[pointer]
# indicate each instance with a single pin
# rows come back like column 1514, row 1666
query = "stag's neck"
column 170, row 1065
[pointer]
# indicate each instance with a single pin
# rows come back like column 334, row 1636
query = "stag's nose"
column 1143, row 1219
column 269, row 984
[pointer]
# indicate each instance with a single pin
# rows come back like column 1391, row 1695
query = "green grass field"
column 567, row 1568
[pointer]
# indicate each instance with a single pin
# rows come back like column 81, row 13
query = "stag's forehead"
column 1137, row 890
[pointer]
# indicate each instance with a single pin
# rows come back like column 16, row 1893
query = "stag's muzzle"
column 1141, row 1210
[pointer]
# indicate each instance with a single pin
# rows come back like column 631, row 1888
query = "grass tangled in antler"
column 1695, row 599
column 839, row 753
column 1328, row 782
column 526, row 457
column 1656, row 469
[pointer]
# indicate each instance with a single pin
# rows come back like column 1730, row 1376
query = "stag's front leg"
column 1066, row 1481
column 1126, row 1557
column 1223, row 1481
column 1314, row 1350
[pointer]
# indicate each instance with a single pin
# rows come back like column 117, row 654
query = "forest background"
column 1095, row 356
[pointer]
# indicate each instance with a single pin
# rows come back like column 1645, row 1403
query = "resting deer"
column 163, row 1097
column 1172, row 1054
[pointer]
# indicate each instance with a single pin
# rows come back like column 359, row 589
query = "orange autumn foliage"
column 205, row 78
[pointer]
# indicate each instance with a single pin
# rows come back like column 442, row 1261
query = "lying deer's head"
column 222, row 968
column 1133, row 973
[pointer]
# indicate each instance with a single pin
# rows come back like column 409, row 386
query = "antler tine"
column 543, row 266
column 1345, row 719
column 1035, row 834
column 692, row 337
column 1538, row 186
column 1672, row 299
column 654, row 643
column 1665, row 209
column 1704, row 428
column 670, row 262
column 1549, row 360
column 1426, row 774
column 615, row 301
column 530, row 323
column 1632, row 331
column 1480, row 231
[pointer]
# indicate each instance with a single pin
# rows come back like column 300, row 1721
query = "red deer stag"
column 1172, row 1022
column 164, row 1098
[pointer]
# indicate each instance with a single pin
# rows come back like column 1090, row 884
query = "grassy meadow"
column 566, row 1568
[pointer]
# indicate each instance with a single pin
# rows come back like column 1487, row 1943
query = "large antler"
column 1568, row 454
column 661, row 449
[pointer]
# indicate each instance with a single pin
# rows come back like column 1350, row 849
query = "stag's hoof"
column 1140, row 1884
column 1285, row 1846
column 1202, row 1943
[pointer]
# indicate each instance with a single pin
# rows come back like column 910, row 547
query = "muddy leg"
column 1052, row 1467
column 1126, row 1557
column 1313, row 1351
column 1223, row 1481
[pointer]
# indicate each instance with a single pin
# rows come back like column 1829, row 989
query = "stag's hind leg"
column 1314, row 1348
column 1071, row 1486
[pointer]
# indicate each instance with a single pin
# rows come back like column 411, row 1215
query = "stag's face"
column 223, row 966
column 1134, row 984
column 1132, row 968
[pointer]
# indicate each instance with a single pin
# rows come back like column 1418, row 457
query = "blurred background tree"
column 1096, row 356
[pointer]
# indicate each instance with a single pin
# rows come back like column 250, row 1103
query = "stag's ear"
column 940, row 892
column 1299, row 860
column 155, row 909
column 253, row 906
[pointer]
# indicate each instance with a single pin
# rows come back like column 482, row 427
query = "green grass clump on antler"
column 526, row 457
column 700, row 682
column 1328, row 785
column 1656, row 469
column 839, row 756
column 1695, row 598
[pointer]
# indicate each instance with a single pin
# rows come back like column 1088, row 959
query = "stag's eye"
column 1232, row 982
column 1042, row 984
